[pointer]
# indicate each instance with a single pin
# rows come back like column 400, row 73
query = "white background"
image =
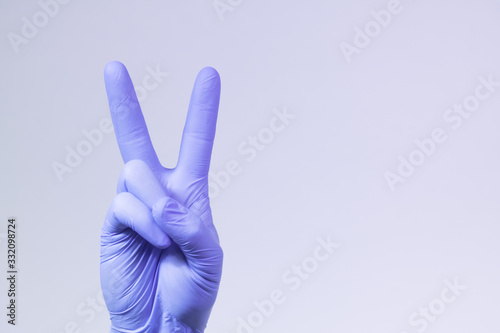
column 323, row 175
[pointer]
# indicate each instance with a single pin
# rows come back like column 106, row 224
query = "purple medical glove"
column 161, row 261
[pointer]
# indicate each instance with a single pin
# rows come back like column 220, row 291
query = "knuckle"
column 120, row 201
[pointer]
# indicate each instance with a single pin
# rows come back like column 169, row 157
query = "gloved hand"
column 161, row 262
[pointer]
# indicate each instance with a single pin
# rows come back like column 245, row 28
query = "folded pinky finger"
column 126, row 211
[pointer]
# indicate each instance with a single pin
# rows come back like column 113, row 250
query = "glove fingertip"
column 158, row 209
column 113, row 70
column 163, row 242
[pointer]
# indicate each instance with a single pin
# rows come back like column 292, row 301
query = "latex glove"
column 161, row 261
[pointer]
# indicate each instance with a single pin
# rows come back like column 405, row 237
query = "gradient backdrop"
column 388, row 147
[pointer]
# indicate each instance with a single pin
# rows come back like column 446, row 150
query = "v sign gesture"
column 161, row 262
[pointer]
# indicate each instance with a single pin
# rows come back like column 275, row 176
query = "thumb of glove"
column 200, row 248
